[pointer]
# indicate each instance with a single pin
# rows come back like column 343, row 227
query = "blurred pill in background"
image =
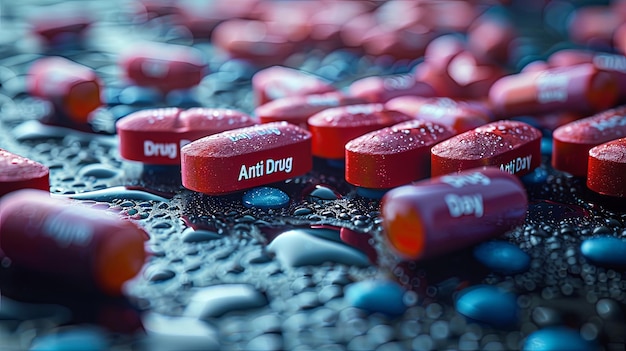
column 17, row 172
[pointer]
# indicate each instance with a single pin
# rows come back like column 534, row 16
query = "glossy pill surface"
column 278, row 81
column 393, row 156
column 443, row 214
column 60, row 238
column 606, row 172
column 571, row 142
column 512, row 146
column 17, row 172
column 384, row 88
column 155, row 136
column 244, row 158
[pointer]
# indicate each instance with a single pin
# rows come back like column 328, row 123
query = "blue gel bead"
column 502, row 257
column 265, row 198
column 557, row 339
column 488, row 304
column 605, row 250
column 382, row 296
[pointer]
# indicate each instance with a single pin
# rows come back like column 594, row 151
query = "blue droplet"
column 546, row 146
column 557, row 339
column 265, row 198
column 75, row 339
column 488, row 304
column 383, row 296
column 323, row 192
column 502, row 257
column 538, row 176
column 605, row 250
column 98, row 171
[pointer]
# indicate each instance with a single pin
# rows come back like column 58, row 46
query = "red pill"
column 334, row 127
column 155, row 136
column 607, row 168
column 58, row 237
column 490, row 38
column 384, row 88
column 571, row 142
column 60, row 23
column 459, row 115
column 72, row 88
column 514, row 147
column 472, row 78
column 246, row 157
column 17, row 172
column 594, row 26
column 278, row 81
column 580, row 88
column 297, row 109
column 447, row 213
column 163, row 66
column 393, row 156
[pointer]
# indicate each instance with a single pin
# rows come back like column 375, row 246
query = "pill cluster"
column 393, row 175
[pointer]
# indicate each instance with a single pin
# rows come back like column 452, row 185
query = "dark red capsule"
column 297, row 109
column 17, row 172
column 72, row 88
column 163, row 66
column 571, row 142
column 393, row 156
column 580, row 88
column 606, row 172
column 384, row 88
column 334, row 127
column 277, row 82
column 472, row 78
column 458, row 115
column 440, row 215
column 246, row 157
column 514, row 147
column 58, row 237
column 155, row 136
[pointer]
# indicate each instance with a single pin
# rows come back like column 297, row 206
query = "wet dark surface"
column 312, row 272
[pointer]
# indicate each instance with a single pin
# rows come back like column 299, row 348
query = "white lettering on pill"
column 610, row 62
column 399, row 82
column 552, row 87
column 266, row 167
column 464, row 205
column 459, row 181
column 250, row 134
column 151, row 149
column 517, row 165
column 612, row 122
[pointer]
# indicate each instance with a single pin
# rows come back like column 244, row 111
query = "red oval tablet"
column 54, row 236
column 443, row 214
column 384, row 88
column 580, row 88
column 459, row 115
column 607, row 168
column 512, row 146
column 163, row 66
column 571, row 142
column 334, row 127
column 17, row 172
column 393, row 156
column 277, row 82
column 297, row 109
column 72, row 88
column 60, row 23
column 246, row 157
column 155, row 136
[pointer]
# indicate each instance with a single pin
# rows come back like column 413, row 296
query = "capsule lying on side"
column 444, row 214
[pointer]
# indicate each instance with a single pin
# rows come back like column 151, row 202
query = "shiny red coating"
column 297, row 109
column 580, row 88
column 72, row 88
column 18, row 172
column 489, row 38
column 440, row 215
column 86, row 246
column 334, row 127
column 384, row 88
column 278, row 81
column 60, row 23
column 472, row 78
column 393, row 156
column 245, row 158
column 593, row 26
column 571, row 142
column 155, row 136
column 606, row 172
column 458, row 115
column 514, row 147
column 163, row 66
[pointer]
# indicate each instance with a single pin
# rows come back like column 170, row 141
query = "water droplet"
column 488, row 304
column 383, row 296
column 323, row 192
column 556, row 339
column 191, row 235
column 502, row 257
column 265, row 198
column 216, row 300
column 118, row 192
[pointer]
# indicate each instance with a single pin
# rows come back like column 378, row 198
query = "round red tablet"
column 607, row 168
column 384, row 88
column 17, row 172
column 514, row 147
column 155, row 136
column 246, row 157
column 393, row 156
column 277, row 82
column 571, row 142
